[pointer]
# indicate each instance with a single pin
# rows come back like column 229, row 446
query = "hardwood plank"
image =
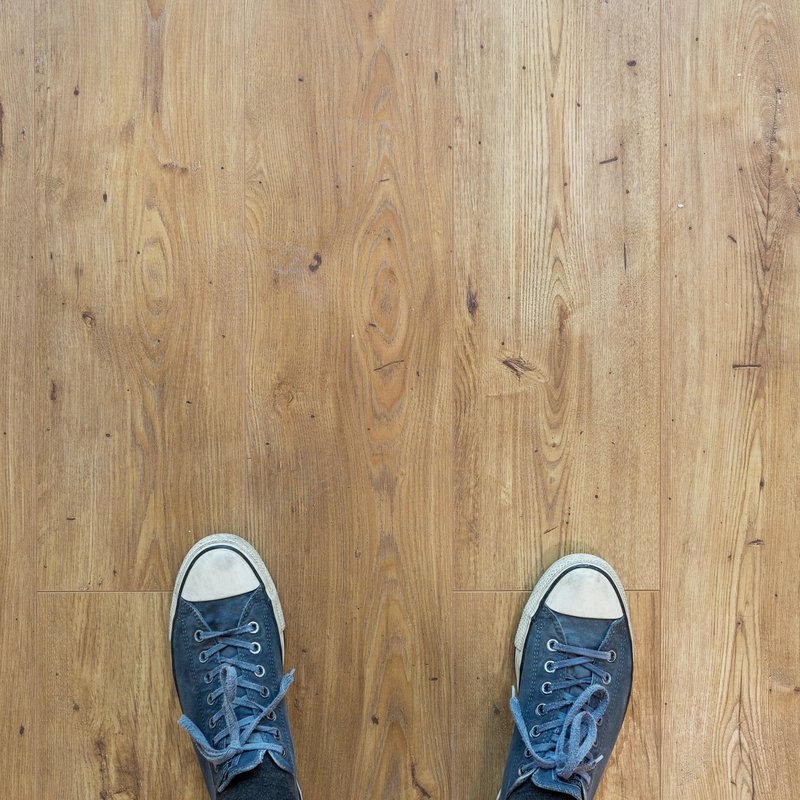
column 557, row 300
column 17, row 310
column 110, row 700
column 140, row 330
column 731, row 294
column 485, row 623
column 348, row 377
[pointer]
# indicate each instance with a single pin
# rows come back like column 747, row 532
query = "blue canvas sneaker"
column 226, row 630
column 574, row 665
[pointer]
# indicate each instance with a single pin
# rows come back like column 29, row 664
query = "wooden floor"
column 417, row 296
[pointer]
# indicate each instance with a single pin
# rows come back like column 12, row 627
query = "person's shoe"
column 574, row 664
column 226, row 631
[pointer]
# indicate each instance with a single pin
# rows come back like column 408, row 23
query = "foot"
column 574, row 664
column 226, row 630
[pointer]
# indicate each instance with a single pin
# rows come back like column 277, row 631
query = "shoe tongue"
column 266, row 780
column 224, row 613
column 529, row 791
column 583, row 632
column 220, row 615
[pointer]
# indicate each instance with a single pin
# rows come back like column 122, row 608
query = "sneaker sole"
column 249, row 553
column 545, row 583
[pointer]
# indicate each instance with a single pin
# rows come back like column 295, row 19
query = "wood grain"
column 348, row 378
column 110, row 701
column 731, row 294
column 17, row 476
column 556, row 302
column 482, row 680
column 140, row 287
column 417, row 297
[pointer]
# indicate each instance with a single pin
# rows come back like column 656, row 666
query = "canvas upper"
column 228, row 667
column 574, row 684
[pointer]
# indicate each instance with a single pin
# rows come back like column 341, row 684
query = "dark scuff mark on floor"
column 316, row 263
column 518, row 365
column 610, row 160
column 53, row 391
column 390, row 364
column 625, row 256
column 423, row 792
column 732, row 238
column 472, row 301
column 746, row 366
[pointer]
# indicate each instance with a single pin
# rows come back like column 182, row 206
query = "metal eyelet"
column 599, row 722
column 253, row 627
column 612, row 656
column 207, row 677
column 551, row 645
column 203, row 656
column 549, row 666
column 265, row 691
column 606, row 679
column 277, row 735
column 283, row 752
column 521, row 770
column 259, row 671
column 212, row 723
column 271, row 716
column 540, row 709
column 255, row 648
column 528, row 753
column 210, row 698
column 547, row 687
column 535, row 731
column 198, row 635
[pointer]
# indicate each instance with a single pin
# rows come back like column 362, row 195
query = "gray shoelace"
column 252, row 731
column 573, row 728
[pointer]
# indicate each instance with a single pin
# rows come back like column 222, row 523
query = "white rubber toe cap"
column 585, row 592
column 218, row 573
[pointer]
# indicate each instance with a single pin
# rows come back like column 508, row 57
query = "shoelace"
column 251, row 732
column 574, row 728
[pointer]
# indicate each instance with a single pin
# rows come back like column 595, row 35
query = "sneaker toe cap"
column 585, row 592
column 218, row 573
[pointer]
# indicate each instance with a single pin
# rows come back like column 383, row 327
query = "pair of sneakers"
column 574, row 667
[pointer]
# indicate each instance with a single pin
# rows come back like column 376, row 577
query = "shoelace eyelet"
column 254, row 628
column 551, row 645
column 612, row 656
column 283, row 752
column 277, row 735
column 210, row 698
column 255, row 648
column 536, row 732
column 198, row 635
column 547, row 687
column 540, row 709
column 212, row 723
column 599, row 722
column 606, row 678
column 203, row 657
column 549, row 666
column 265, row 691
column 528, row 753
column 207, row 677
column 271, row 716
column 259, row 671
